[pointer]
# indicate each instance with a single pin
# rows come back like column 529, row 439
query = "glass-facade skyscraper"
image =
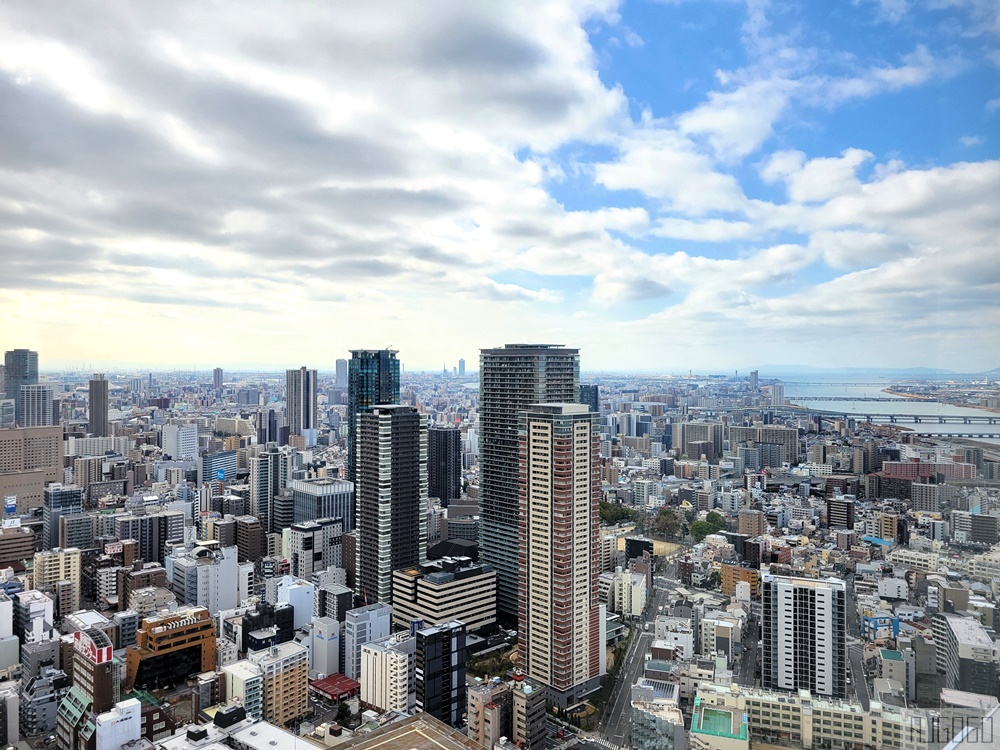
column 20, row 368
column 373, row 379
column 510, row 379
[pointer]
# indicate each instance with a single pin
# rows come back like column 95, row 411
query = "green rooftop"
column 891, row 655
column 718, row 722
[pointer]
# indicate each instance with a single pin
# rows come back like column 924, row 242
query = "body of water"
column 853, row 386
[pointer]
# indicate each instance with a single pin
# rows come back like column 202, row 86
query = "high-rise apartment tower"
column 559, row 618
column 510, row 379
column 804, row 635
column 391, row 497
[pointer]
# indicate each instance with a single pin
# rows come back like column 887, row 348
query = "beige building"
column 30, row 458
column 560, row 620
column 286, row 681
column 439, row 591
column 388, row 681
column 53, row 570
column 799, row 719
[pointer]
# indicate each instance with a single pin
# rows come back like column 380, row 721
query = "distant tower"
column 391, row 497
column 268, row 477
column 777, row 394
column 373, row 380
column 511, row 378
column 444, row 463
column 754, row 377
column 341, row 373
column 98, row 406
column 20, row 368
column 36, row 406
column 300, row 400
column 559, row 618
column 217, row 378
column 591, row 396
column 461, row 368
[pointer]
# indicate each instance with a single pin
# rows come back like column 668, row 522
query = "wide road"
column 617, row 715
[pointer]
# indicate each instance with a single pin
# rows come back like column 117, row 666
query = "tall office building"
column 373, row 377
column 97, row 406
column 59, row 500
column 461, row 368
column 444, row 463
column 559, row 618
column 20, row 368
column 391, row 497
column 300, row 400
column 590, row 394
column 180, row 441
column 217, row 378
column 30, row 458
column 341, row 381
column 36, row 406
column 754, row 378
column 804, row 635
column 268, row 477
column 511, row 378
column 323, row 498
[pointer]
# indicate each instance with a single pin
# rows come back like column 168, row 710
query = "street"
column 748, row 664
column 618, row 714
column 860, row 685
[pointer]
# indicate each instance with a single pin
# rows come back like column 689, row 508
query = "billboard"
column 84, row 644
column 10, row 504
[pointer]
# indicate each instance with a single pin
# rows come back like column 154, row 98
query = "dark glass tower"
column 510, row 379
column 590, row 395
column 98, row 407
column 444, row 463
column 21, row 368
column 373, row 379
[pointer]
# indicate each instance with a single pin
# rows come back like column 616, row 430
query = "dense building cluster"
column 219, row 560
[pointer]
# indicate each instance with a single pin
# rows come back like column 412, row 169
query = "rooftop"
column 421, row 732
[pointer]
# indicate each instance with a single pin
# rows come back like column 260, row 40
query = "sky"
column 668, row 185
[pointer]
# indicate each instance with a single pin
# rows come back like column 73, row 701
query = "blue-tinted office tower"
column 373, row 379
column 21, row 368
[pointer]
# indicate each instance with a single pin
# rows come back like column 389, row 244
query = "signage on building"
column 11, row 523
column 113, row 548
column 85, row 645
column 10, row 504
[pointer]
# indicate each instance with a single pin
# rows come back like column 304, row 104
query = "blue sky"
column 672, row 185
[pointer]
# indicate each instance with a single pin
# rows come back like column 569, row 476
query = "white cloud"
column 736, row 123
column 971, row 140
column 663, row 164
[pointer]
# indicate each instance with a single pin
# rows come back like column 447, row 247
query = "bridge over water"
column 914, row 418
column 896, row 399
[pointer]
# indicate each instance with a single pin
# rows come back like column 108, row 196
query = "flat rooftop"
column 421, row 732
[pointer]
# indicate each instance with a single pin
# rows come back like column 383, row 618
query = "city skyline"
column 711, row 181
